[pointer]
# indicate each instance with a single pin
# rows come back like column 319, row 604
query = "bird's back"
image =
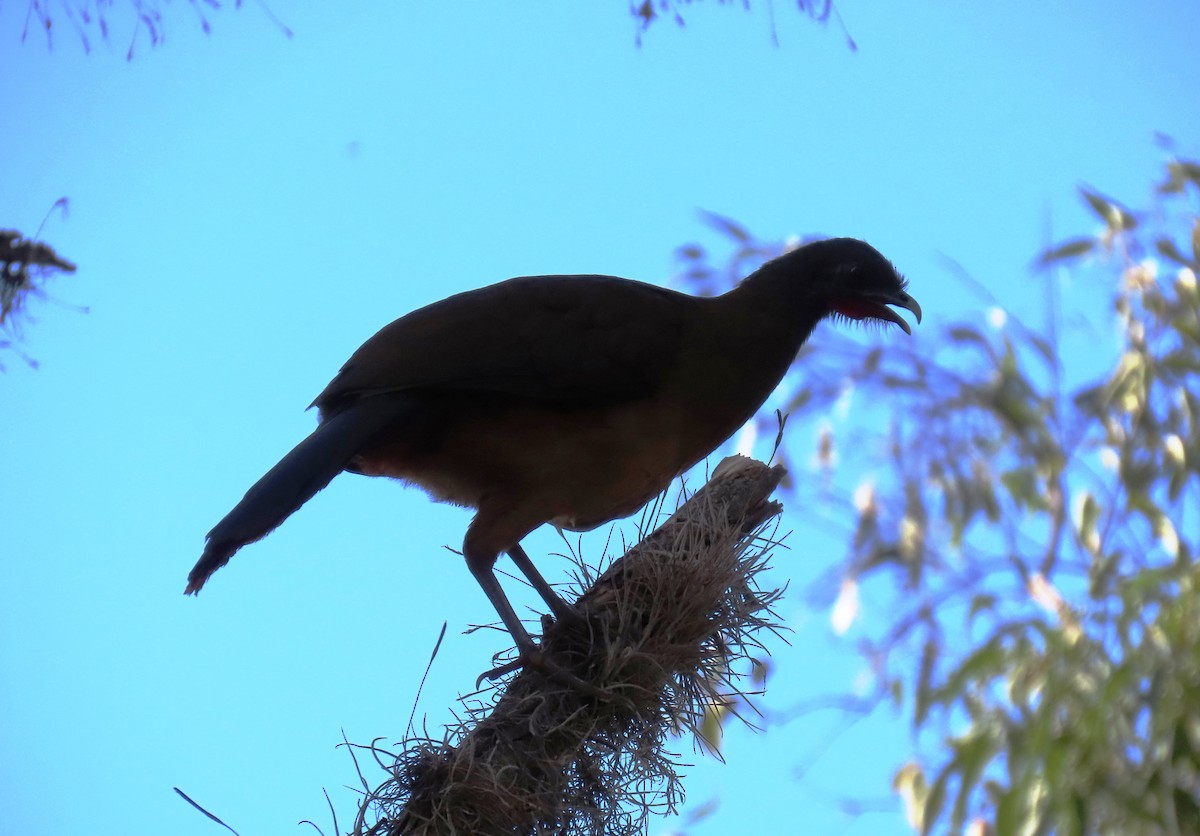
column 567, row 341
column 544, row 390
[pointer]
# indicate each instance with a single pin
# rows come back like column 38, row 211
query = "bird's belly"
column 575, row 468
column 610, row 499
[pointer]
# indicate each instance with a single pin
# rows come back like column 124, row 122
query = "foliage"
column 1035, row 526
column 24, row 266
column 648, row 12
column 89, row 18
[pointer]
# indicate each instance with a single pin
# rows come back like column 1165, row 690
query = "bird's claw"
column 524, row 659
column 534, row 658
column 566, row 614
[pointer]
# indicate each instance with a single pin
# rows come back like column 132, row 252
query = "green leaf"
column 934, row 803
column 1190, row 171
column 1099, row 205
column 972, row 758
column 1089, row 513
column 1073, row 816
column 1056, row 763
column 1101, row 572
column 1010, row 812
column 1023, row 486
column 980, row 603
column 711, row 730
column 979, row 668
column 1146, row 583
column 909, row 783
column 1120, row 684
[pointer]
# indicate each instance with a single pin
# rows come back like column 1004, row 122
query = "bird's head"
column 845, row 277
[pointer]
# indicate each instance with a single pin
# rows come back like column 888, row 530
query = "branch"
column 658, row 637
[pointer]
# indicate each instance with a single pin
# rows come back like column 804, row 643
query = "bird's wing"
column 573, row 340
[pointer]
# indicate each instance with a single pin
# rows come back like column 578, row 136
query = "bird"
column 571, row 400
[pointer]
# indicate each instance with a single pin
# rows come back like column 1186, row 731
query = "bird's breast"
column 577, row 468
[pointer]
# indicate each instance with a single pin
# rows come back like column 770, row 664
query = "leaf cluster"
column 647, row 12
column 91, row 18
column 1032, row 529
column 24, row 265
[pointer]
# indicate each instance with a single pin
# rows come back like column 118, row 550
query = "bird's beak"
column 875, row 306
column 901, row 300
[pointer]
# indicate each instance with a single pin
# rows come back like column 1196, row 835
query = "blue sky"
column 247, row 209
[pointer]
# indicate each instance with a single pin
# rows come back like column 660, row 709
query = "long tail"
column 308, row 468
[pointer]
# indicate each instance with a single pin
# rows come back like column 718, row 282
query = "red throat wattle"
column 857, row 308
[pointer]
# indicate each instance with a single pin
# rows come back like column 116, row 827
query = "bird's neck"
column 743, row 344
column 774, row 311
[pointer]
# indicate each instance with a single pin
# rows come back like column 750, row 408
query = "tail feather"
column 298, row 476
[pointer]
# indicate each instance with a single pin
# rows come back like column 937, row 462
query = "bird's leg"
column 561, row 609
column 482, row 567
column 528, row 653
column 481, row 564
column 490, row 533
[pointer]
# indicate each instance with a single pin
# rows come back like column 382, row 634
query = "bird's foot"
column 503, row 670
column 564, row 614
column 534, row 658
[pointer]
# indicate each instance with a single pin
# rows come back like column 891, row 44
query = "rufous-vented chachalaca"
column 571, row 400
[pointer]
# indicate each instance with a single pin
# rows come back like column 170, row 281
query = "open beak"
column 880, row 309
column 875, row 306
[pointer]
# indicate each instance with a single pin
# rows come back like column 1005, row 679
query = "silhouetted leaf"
column 1069, row 249
column 871, row 362
column 965, row 333
column 1166, row 248
column 799, row 400
column 1091, row 399
column 1117, row 218
column 1082, row 687
column 725, row 225
column 1176, row 484
column 924, row 695
column 1179, row 174
column 1043, row 347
